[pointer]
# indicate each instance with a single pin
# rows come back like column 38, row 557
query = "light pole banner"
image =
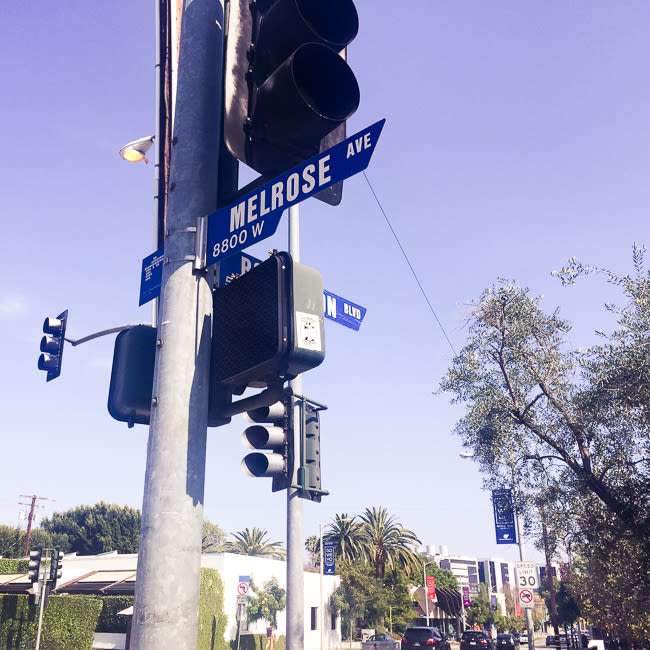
column 504, row 517
column 329, row 557
column 431, row 587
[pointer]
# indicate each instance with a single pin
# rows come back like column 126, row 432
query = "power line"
column 408, row 261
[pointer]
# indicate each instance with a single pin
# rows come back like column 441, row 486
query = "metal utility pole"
column 320, row 600
column 167, row 588
column 529, row 612
column 27, row 542
column 295, row 569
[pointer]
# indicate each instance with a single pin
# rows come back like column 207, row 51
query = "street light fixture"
column 136, row 150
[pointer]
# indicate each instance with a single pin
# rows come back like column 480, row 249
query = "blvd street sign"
column 256, row 215
column 527, row 583
column 504, row 517
column 343, row 311
column 329, row 557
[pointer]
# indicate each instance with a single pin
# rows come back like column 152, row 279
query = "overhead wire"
column 408, row 261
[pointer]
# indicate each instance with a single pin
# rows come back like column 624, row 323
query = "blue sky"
column 516, row 136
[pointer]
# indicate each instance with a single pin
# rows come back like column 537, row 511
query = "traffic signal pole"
column 167, row 588
column 528, row 612
column 295, row 570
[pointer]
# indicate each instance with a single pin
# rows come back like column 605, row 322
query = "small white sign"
column 308, row 331
column 527, row 583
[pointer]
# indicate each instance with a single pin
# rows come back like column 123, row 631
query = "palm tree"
column 347, row 532
column 254, row 541
column 386, row 542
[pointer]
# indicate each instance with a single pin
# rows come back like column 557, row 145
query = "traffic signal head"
column 288, row 87
column 52, row 345
column 271, row 438
column 34, row 565
column 56, row 567
column 309, row 474
column 267, row 324
column 129, row 395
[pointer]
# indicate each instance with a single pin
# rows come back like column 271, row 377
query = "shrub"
column 68, row 623
column 8, row 565
column 109, row 621
column 257, row 642
column 212, row 620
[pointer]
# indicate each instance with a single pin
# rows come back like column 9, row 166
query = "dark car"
column 472, row 640
column 507, row 642
column 424, row 637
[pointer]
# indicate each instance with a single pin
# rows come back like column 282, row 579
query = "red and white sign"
column 526, row 597
column 243, row 587
column 431, row 587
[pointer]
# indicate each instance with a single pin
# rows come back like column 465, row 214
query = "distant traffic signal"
column 56, row 567
column 288, row 87
column 34, row 566
column 271, row 436
column 52, row 345
column 309, row 474
column 267, row 325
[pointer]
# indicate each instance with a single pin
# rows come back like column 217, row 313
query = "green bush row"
column 256, row 642
column 69, row 622
column 109, row 621
column 7, row 565
column 212, row 620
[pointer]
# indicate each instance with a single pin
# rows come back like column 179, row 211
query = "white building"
column 80, row 573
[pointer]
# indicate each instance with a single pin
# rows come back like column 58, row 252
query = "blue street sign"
column 256, row 215
column 329, row 557
column 343, row 311
column 234, row 266
column 244, row 578
column 504, row 516
column 151, row 276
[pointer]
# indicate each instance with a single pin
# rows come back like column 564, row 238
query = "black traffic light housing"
column 56, row 567
column 309, row 473
column 34, row 565
column 288, row 87
column 52, row 344
column 267, row 325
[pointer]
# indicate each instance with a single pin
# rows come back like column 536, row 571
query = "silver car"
column 380, row 642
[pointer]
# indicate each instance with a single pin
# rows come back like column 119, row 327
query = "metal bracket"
column 96, row 335
column 200, row 244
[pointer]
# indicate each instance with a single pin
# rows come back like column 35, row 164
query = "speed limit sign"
column 527, row 582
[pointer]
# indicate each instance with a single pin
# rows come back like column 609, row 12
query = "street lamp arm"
column 96, row 335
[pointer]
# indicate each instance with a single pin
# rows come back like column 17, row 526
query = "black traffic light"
column 34, row 566
column 271, row 437
column 56, row 567
column 267, row 325
column 52, row 345
column 134, row 356
column 288, row 87
column 309, row 472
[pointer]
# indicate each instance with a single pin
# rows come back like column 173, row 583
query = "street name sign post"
column 256, row 215
column 329, row 557
column 527, row 583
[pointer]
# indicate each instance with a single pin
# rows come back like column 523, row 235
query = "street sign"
column 244, row 585
column 235, row 266
column 256, row 215
column 343, row 311
column 242, row 600
column 431, row 587
column 151, row 276
column 329, row 557
column 504, row 517
column 527, row 583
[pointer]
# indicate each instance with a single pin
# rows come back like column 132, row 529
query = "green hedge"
column 212, row 620
column 68, row 623
column 256, row 642
column 109, row 621
column 8, row 565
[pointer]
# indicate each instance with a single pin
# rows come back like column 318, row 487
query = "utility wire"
column 408, row 261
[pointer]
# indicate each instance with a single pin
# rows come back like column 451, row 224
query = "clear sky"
column 516, row 136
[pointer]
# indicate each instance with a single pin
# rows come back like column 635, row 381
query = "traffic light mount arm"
column 96, row 335
column 267, row 397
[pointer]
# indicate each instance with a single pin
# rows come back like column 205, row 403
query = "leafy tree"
column 385, row 542
column 267, row 602
column 348, row 533
column 100, row 528
column 444, row 579
column 213, row 538
column 255, row 541
column 11, row 541
column 567, row 607
column 480, row 611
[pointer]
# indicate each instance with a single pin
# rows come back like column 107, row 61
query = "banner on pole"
column 504, row 516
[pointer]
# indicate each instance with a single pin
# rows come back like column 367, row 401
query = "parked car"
column 380, row 642
column 472, row 640
column 507, row 642
column 424, row 637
